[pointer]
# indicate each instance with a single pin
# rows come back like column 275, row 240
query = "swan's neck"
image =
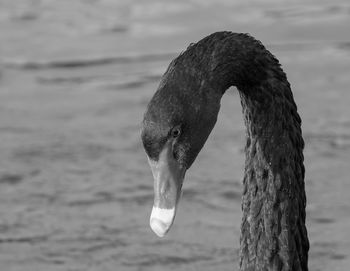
column 273, row 232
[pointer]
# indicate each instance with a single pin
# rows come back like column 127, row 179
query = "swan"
column 180, row 117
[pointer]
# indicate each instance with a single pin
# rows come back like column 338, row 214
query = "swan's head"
column 178, row 121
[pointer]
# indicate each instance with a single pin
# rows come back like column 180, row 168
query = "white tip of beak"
column 161, row 220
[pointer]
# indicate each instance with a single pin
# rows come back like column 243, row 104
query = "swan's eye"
column 175, row 132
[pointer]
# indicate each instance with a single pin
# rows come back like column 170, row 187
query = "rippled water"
column 75, row 78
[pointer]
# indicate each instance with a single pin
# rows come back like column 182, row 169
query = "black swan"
column 180, row 117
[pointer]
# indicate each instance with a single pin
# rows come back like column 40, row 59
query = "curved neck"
column 273, row 232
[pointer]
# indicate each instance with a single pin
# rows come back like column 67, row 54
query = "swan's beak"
column 168, row 178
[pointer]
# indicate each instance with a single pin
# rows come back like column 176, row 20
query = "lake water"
column 75, row 78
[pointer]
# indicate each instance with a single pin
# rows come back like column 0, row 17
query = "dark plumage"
column 273, row 232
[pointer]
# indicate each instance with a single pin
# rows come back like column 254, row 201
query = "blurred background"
column 75, row 78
